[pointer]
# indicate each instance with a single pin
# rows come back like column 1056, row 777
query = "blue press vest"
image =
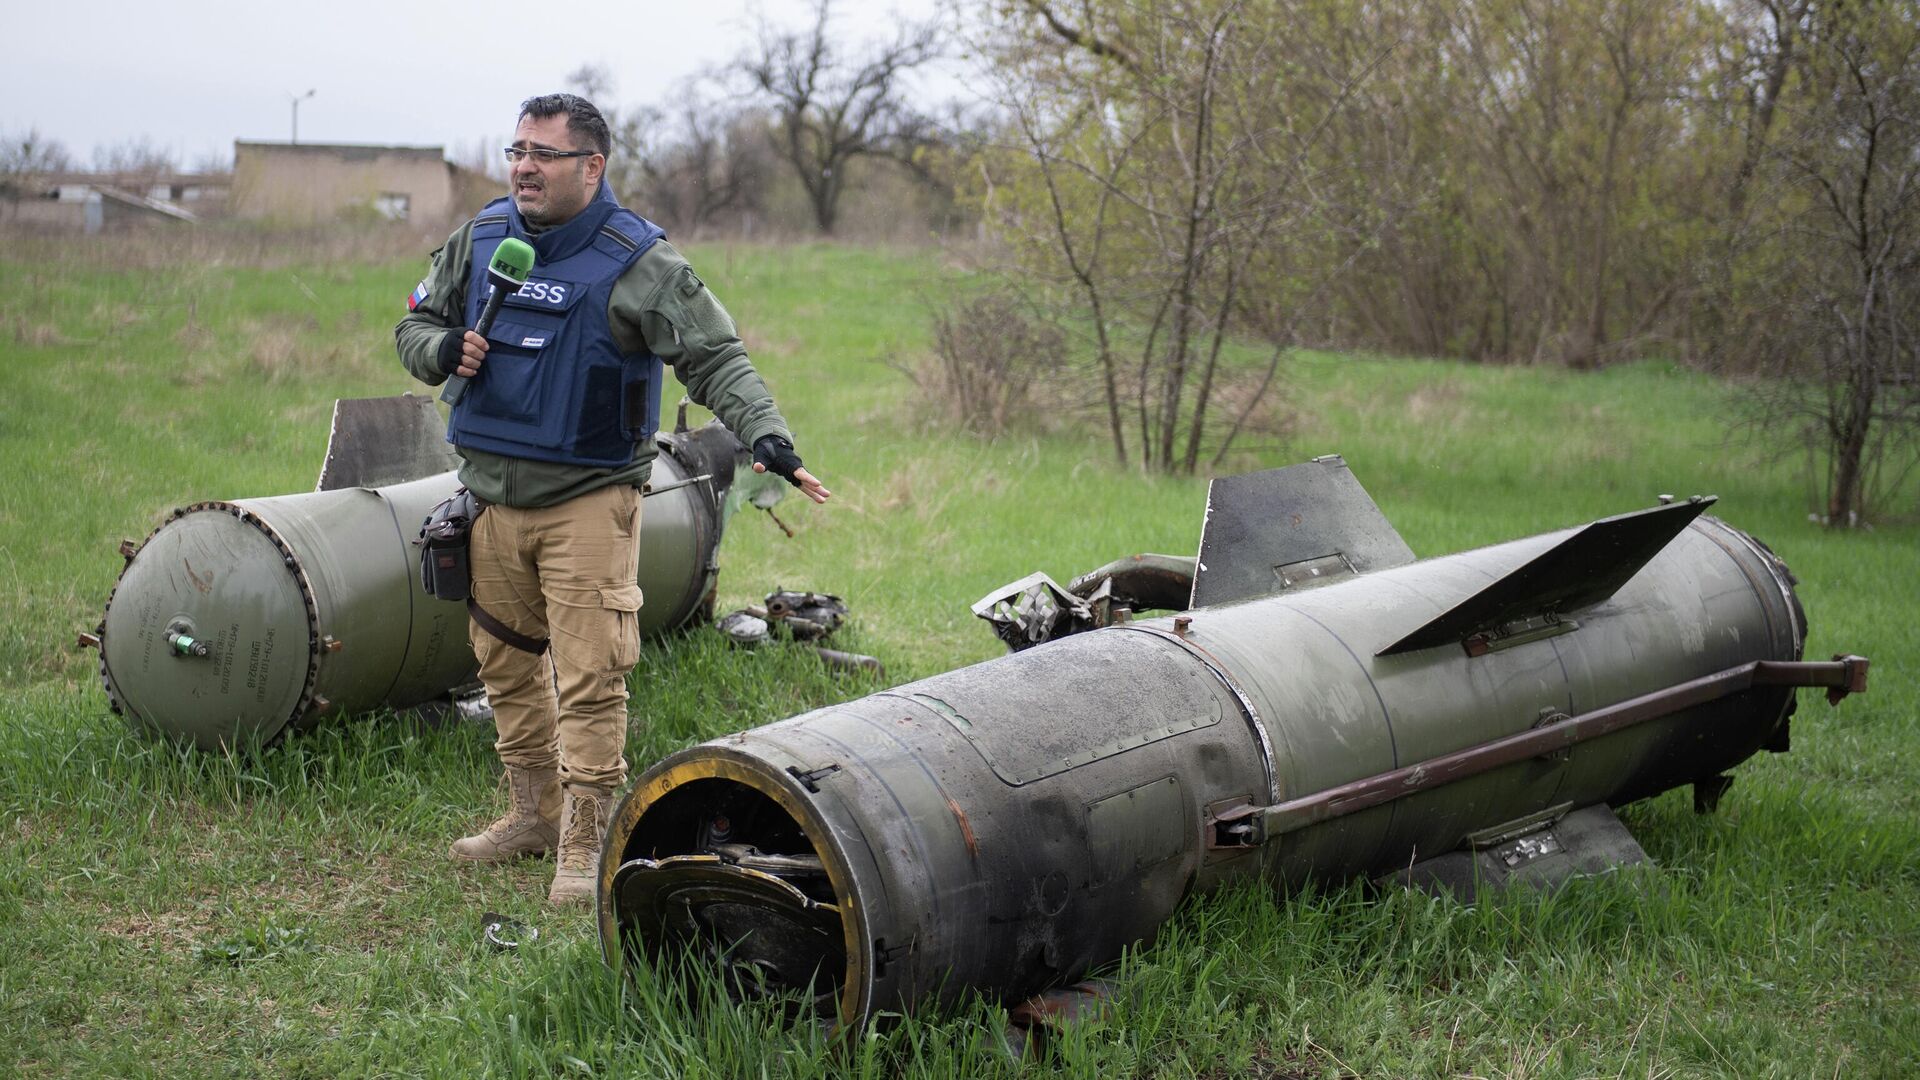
column 555, row 386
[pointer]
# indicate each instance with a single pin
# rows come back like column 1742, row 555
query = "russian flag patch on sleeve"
column 419, row 295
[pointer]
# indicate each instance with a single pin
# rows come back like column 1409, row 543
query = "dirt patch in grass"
column 275, row 351
column 114, row 317
column 169, row 931
column 31, row 334
column 1267, row 1064
column 1437, row 402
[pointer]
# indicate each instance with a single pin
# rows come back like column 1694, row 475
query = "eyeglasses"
column 544, row 157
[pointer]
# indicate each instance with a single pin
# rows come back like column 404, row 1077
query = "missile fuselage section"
column 1016, row 824
column 240, row 619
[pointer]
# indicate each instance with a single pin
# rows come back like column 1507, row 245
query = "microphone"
column 512, row 263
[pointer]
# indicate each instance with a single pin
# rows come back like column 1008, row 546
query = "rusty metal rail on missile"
column 1249, row 825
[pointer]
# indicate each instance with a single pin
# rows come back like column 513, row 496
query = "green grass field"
column 292, row 912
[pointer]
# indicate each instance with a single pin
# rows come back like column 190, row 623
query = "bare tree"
column 1171, row 161
column 135, row 159
column 831, row 109
column 1838, row 309
column 32, row 152
column 698, row 160
column 684, row 164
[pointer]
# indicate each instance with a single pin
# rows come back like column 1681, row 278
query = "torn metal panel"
column 1144, row 582
column 1033, row 610
column 1287, row 529
column 1036, row 609
column 375, row 442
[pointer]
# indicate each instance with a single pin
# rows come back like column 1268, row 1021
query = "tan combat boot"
column 531, row 824
column 583, row 825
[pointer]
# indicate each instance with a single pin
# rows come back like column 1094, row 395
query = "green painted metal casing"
column 1016, row 824
column 310, row 604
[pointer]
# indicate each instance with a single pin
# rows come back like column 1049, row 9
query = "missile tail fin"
column 379, row 441
column 1283, row 529
column 1584, row 569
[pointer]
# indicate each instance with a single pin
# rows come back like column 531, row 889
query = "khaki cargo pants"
column 565, row 573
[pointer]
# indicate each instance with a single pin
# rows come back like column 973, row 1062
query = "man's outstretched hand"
column 771, row 453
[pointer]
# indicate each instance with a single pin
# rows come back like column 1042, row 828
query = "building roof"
column 130, row 179
column 343, row 151
column 138, row 202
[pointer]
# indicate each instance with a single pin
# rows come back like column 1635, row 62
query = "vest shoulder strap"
column 626, row 235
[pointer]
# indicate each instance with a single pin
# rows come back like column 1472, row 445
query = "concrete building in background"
column 315, row 183
column 92, row 201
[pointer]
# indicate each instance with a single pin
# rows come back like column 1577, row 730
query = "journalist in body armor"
column 555, row 432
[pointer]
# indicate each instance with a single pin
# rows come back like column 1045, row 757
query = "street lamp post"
column 297, row 99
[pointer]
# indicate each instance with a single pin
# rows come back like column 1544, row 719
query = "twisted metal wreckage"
column 1320, row 705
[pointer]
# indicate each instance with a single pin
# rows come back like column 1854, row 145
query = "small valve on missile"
column 182, row 643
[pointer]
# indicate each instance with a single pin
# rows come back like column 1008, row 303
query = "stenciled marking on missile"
column 148, row 622
column 224, row 646
column 259, row 663
column 203, row 582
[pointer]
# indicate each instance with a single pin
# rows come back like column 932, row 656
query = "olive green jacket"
column 660, row 306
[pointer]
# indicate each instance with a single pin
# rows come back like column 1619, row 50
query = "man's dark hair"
column 583, row 120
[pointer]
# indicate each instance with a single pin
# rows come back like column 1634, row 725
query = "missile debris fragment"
column 1327, row 707
column 240, row 619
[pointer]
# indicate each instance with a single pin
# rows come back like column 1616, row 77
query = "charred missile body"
column 238, row 620
column 1326, row 708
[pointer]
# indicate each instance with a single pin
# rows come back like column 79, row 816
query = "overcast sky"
column 194, row 76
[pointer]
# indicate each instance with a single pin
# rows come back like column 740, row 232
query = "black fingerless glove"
column 777, row 455
column 450, row 347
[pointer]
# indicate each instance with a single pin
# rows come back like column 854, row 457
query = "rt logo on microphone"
column 548, row 292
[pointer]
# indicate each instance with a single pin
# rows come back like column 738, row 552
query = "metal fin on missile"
column 379, row 441
column 1584, row 569
column 1289, row 528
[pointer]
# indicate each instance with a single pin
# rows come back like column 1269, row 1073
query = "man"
column 555, row 430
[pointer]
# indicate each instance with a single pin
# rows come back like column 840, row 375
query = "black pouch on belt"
column 443, row 540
